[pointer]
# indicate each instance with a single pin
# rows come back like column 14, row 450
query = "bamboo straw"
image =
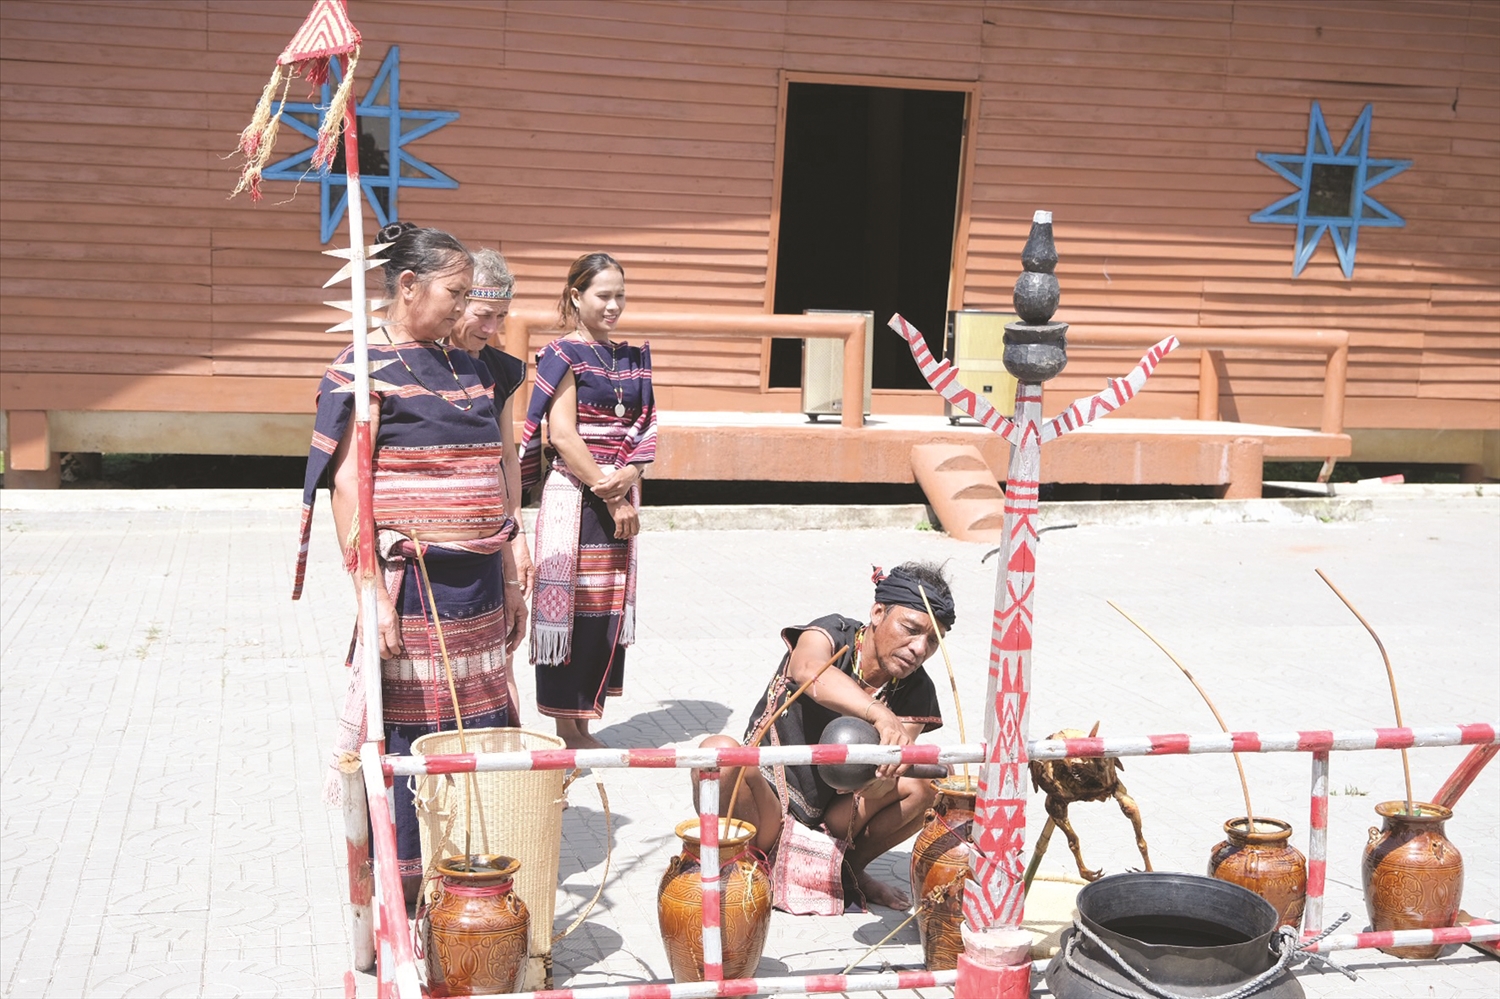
column 881, row 943
column 458, row 717
column 760, row 733
column 1244, row 784
column 952, row 680
column 1390, row 675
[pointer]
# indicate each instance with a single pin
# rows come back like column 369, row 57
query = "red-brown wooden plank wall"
column 128, row 281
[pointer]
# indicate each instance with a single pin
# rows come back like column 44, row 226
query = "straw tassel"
column 259, row 137
column 316, row 71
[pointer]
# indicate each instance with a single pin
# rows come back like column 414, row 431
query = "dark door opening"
column 869, row 192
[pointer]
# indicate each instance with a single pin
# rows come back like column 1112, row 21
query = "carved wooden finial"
column 1036, row 347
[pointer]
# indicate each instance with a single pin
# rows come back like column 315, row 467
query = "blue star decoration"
column 385, row 129
column 1332, row 190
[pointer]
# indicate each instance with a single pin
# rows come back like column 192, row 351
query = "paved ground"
column 165, row 713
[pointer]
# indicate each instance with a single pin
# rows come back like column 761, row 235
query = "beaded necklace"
column 468, row 402
column 859, row 673
column 614, row 385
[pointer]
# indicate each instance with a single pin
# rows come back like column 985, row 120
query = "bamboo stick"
column 952, row 679
column 1244, row 784
column 458, row 718
column 1390, row 675
column 760, row 733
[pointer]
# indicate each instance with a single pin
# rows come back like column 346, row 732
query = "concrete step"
column 961, row 490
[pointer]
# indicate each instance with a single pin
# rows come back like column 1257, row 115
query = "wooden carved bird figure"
column 1080, row 778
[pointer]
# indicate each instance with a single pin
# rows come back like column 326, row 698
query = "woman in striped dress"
column 594, row 394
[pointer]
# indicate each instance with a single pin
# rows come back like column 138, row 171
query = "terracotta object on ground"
column 939, row 866
column 745, row 894
column 1413, row 876
column 1264, row 861
column 477, row 928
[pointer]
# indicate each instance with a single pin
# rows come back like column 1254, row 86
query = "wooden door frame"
column 958, row 266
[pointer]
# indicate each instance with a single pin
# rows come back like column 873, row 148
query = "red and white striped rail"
column 809, row 984
column 396, row 967
column 1317, row 846
column 1407, row 938
column 1172, row 744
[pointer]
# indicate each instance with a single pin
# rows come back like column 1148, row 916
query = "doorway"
column 869, row 198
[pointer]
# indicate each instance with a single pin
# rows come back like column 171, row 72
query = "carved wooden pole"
column 1035, row 350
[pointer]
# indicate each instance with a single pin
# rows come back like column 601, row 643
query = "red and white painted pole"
column 396, row 967
column 1317, row 846
column 708, row 875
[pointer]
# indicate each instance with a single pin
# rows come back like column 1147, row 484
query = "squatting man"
column 879, row 678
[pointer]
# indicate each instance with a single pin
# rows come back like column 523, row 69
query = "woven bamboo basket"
column 518, row 814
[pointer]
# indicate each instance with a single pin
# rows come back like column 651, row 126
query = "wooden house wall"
column 129, row 281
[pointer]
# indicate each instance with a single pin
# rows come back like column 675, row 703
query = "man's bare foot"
column 880, row 893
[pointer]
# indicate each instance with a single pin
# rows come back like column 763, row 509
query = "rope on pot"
column 1284, row 943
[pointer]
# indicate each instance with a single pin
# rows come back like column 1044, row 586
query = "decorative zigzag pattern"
column 326, row 32
column 943, row 377
column 1117, row 393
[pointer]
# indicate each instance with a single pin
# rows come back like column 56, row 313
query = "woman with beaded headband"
column 595, row 395
column 475, row 332
column 437, row 483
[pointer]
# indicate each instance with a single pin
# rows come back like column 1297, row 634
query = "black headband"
column 905, row 590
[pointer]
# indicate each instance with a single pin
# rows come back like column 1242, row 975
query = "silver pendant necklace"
column 613, row 384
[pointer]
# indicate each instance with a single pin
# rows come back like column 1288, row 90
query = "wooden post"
column 1035, row 351
column 854, row 377
column 1208, row 385
column 361, row 875
column 708, row 874
column 1317, row 846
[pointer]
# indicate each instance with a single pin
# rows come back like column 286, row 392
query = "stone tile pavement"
column 165, row 713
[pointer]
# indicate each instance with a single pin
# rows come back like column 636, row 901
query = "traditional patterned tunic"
column 583, row 613
column 912, row 699
column 436, row 469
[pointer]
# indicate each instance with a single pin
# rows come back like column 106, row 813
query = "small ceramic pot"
column 1265, row 862
column 476, row 939
column 939, row 865
column 744, row 902
column 1413, row 875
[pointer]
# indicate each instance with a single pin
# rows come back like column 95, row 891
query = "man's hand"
column 892, row 733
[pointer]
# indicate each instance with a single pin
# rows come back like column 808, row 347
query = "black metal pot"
column 1188, row 934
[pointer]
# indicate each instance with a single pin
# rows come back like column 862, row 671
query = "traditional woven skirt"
column 468, row 588
column 595, row 667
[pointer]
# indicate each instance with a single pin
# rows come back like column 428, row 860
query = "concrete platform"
column 166, row 710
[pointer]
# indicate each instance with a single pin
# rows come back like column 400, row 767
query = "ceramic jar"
column 1413, row 876
column 939, row 866
column 744, row 902
column 1264, row 861
column 476, row 939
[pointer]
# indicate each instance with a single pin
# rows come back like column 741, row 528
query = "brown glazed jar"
column 744, row 903
column 1264, row 861
column 939, row 865
column 476, row 941
column 1414, row 877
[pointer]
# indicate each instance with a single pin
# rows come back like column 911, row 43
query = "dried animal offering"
column 1413, row 875
column 477, row 927
column 939, row 866
column 1080, row 778
column 744, row 902
column 1263, row 860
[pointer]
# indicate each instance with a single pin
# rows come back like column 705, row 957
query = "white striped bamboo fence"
column 1039, row 749
column 1319, row 743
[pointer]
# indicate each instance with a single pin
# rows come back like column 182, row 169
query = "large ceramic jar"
column 1414, row 877
column 744, row 902
column 1264, row 861
column 939, row 866
column 477, row 928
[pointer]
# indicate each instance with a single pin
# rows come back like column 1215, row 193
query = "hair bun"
column 394, row 231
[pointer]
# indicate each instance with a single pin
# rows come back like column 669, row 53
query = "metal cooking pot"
column 1188, row 934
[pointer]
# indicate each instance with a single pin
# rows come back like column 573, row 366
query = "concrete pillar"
column 30, row 462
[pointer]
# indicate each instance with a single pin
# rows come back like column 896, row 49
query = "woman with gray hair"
column 485, row 309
